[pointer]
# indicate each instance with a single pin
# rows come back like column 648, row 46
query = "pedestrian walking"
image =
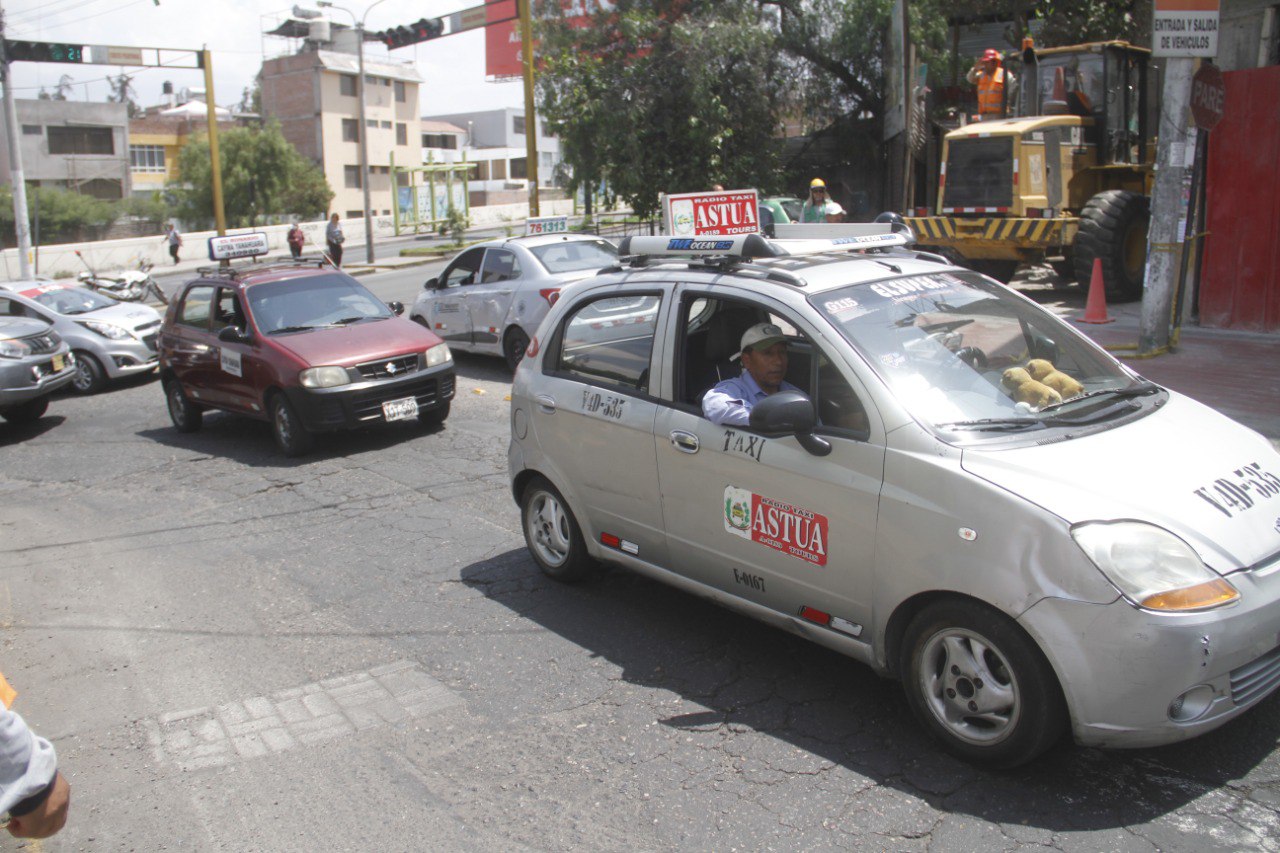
column 34, row 796
column 334, row 237
column 296, row 238
column 174, row 239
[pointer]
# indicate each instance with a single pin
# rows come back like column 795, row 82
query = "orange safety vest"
column 7, row 693
column 991, row 93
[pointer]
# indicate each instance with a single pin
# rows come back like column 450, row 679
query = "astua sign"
column 238, row 246
column 781, row 526
column 1184, row 28
column 546, row 225
column 711, row 213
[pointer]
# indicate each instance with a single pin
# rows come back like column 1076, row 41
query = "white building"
column 495, row 141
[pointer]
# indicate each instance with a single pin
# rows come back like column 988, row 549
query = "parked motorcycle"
column 124, row 285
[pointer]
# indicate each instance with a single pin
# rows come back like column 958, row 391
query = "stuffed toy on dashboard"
column 1024, row 389
column 1043, row 371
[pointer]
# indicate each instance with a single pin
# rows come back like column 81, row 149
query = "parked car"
column 34, row 362
column 305, row 347
column 110, row 339
column 785, row 209
column 492, row 296
column 1092, row 553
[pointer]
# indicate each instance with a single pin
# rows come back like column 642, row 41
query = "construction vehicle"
column 1066, row 178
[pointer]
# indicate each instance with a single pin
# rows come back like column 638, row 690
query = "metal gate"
column 1240, row 285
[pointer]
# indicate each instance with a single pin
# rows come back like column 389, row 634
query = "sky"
column 453, row 66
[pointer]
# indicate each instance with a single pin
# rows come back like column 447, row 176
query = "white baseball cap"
column 761, row 335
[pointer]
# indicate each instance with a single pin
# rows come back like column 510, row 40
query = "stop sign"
column 1208, row 93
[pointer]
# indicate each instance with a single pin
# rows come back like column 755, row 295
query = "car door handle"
column 685, row 442
column 547, row 404
column 502, row 293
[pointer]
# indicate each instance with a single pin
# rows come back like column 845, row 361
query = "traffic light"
column 42, row 51
column 422, row 30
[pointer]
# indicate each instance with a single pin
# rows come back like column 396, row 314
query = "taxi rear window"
column 609, row 341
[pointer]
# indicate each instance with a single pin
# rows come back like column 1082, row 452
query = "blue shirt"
column 732, row 400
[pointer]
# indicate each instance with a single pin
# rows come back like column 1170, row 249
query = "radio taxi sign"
column 719, row 212
column 238, row 246
column 1185, row 28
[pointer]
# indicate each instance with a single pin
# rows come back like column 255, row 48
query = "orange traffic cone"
column 1095, row 309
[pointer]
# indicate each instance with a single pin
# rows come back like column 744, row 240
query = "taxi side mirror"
column 789, row 413
column 396, row 307
column 432, row 284
column 233, row 335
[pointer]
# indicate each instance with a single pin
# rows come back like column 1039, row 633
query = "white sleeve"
column 27, row 762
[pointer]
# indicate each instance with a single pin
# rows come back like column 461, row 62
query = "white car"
column 491, row 297
column 1088, row 552
column 110, row 339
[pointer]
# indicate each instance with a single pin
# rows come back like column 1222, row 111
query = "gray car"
column 1084, row 551
column 491, row 297
column 110, row 339
column 34, row 362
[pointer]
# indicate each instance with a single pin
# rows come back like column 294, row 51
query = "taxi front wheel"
column 552, row 533
column 291, row 436
column 980, row 684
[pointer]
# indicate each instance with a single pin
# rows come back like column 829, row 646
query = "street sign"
column 238, row 246
column 1208, row 95
column 1184, row 28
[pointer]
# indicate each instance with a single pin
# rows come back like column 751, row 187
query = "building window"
column 401, row 96
column 370, row 80
column 518, row 169
column 498, row 170
column 544, row 160
column 517, row 125
column 350, row 130
column 482, row 171
column 354, row 214
column 371, row 123
column 386, row 125
column 347, row 85
column 32, row 130
column 546, row 129
column 446, row 141
column 402, row 133
column 146, row 158
column 81, row 140
column 351, row 177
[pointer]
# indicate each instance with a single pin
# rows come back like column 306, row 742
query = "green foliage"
column 64, row 216
column 1075, row 21
column 664, row 96
column 262, row 176
column 456, row 223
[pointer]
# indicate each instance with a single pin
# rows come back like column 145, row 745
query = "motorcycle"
column 125, row 285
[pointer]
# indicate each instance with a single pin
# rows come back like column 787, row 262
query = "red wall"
column 1240, row 283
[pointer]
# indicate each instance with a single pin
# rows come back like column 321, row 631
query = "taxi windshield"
column 313, row 302
column 575, row 255
column 71, row 300
column 965, row 355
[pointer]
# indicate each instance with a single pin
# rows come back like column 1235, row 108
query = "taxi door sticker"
column 781, row 526
column 231, row 361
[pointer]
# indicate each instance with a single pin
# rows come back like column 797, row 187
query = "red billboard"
column 502, row 34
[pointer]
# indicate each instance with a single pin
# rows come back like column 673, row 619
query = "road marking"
column 323, row 710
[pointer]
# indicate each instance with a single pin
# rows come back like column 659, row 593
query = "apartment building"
column 495, row 141
column 72, row 145
column 313, row 93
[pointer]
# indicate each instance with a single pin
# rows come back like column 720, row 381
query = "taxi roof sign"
column 238, row 246
column 792, row 240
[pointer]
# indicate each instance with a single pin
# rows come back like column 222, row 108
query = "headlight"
column 1152, row 567
column 438, row 354
column 107, row 330
column 14, row 349
column 323, row 377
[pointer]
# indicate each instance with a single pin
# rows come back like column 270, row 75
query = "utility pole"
column 20, row 224
column 215, row 161
column 530, row 120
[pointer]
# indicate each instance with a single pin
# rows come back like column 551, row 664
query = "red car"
column 305, row 347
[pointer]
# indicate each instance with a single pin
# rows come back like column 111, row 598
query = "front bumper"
column 360, row 403
column 126, row 358
column 32, row 378
column 1122, row 668
column 994, row 237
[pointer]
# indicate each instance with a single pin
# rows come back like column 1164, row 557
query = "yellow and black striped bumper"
column 1016, row 232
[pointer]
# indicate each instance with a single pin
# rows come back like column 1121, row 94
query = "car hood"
column 21, row 327
column 359, row 342
column 132, row 317
column 1183, row 467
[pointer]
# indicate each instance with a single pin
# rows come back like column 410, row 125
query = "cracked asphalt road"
column 147, row 577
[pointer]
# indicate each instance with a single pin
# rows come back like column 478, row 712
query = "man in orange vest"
column 991, row 80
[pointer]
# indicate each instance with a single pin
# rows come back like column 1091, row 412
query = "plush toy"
column 1044, row 372
column 1024, row 389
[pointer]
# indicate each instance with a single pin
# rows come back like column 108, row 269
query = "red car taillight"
column 551, row 294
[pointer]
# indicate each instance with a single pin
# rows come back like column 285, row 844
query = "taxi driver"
column 764, row 364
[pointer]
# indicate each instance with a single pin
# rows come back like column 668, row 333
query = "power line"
column 34, row 15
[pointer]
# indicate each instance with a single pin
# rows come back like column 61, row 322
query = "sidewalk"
column 1237, row 373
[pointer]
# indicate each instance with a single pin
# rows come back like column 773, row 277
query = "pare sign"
column 710, row 213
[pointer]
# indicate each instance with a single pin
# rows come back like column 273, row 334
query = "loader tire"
column 1113, row 228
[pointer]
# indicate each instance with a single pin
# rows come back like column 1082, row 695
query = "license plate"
column 400, row 410
column 57, row 364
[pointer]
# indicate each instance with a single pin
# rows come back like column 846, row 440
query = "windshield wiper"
column 290, row 329
column 993, row 424
column 346, row 321
column 1140, row 389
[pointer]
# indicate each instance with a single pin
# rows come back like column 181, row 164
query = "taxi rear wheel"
column 287, row 429
column 513, row 346
column 980, row 685
column 184, row 414
column 552, row 533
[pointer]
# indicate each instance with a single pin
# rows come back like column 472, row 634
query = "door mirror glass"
column 233, row 335
column 432, row 284
column 397, row 307
column 789, row 412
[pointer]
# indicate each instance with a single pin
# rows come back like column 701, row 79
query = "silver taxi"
column 1103, row 559
column 492, row 296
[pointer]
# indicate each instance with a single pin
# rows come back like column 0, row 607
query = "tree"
column 122, row 93
column 663, row 96
column 64, row 216
column 262, row 175
column 251, row 99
